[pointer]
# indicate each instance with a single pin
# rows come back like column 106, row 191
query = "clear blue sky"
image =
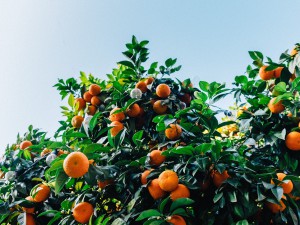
column 41, row 41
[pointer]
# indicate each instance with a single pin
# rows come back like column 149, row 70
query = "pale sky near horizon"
column 41, row 41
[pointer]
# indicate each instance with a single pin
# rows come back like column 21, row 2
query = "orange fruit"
column 275, row 208
column 277, row 72
column 95, row 101
column 277, row 107
column 103, row 184
column 94, row 89
column 45, row 151
column 82, row 212
column 29, row 210
column 266, row 75
column 25, row 144
column 134, row 110
column 91, row 110
column 287, row 187
column 29, row 219
column 159, row 108
column 294, row 52
column 219, row 178
column 155, row 191
column 163, row 91
column 149, row 80
column 116, row 128
column 142, row 86
column 292, row 141
column 87, row 96
column 80, row 103
column 41, row 193
column 116, row 116
column 180, row 192
column 168, row 180
column 144, row 176
column 76, row 164
column 156, row 158
column 176, row 220
column 173, row 132
column 61, row 152
column 77, row 121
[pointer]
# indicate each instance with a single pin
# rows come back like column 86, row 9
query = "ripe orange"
column 61, row 152
column 103, row 184
column 155, row 191
column 163, row 91
column 45, row 151
column 142, row 86
column 94, row 89
column 91, row 110
column 277, row 72
column 275, row 208
column 294, row 52
column 266, row 75
column 168, row 180
column 29, row 219
column 95, row 101
column 82, row 212
column 176, row 220
column 173, row 132
column 219, row 178
column 159, row 108
column 116, row 116
column 277, row 107
column 149, row 80
column 25, row 144
column 144, row 176
column 156, row 158
column 180, row 192
column 292, row 141
column 77, row 121
column 134, row 110
column 287, row 187
column 87, row 96
column 76, row 164
column 41, row 193
column 116, row 128
column 29, row 210
column 80, row 103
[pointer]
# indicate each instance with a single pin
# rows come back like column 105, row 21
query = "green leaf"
column 277, row 192
column 127, row 63
column 181, row 202
column 136, row 138
column 60, row 180
column 148, row 213
column 204, row 86
column 217, row 197
column 163, row 204
column 94, row 121
column 188, row 150
column 242, row 222
column 95, row 148
column 255, row 55
column 71, row 100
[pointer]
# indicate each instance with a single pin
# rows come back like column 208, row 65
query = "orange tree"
column 143, row 148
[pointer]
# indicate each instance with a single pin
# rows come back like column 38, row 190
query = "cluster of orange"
column 292, row 140
column 91, row 97
column 167, row 181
